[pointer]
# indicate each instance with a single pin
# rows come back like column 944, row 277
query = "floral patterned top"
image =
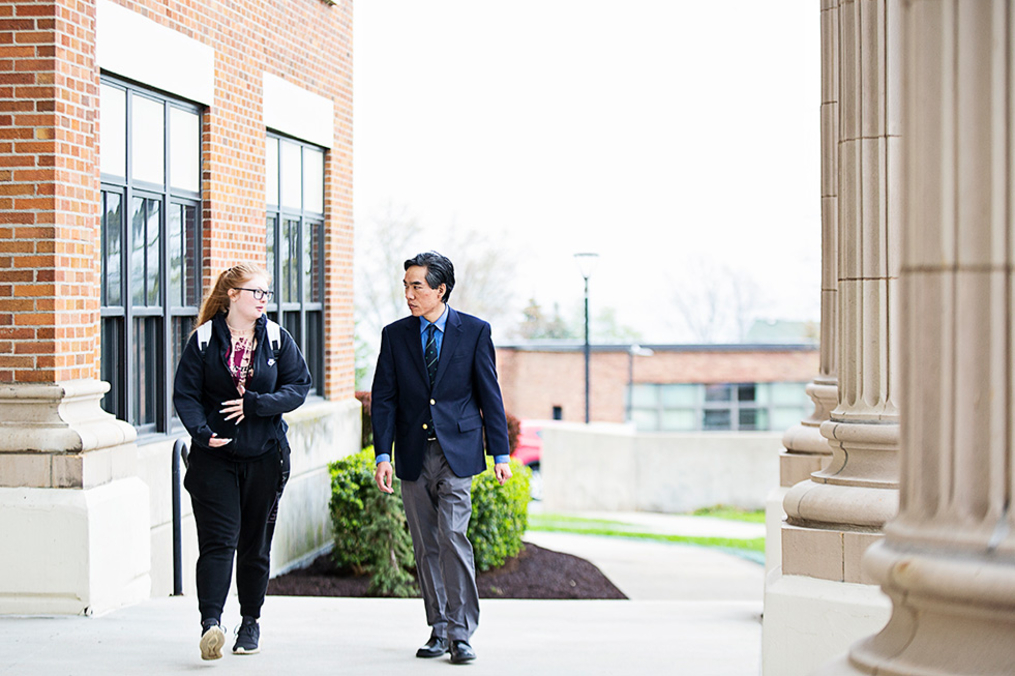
column 239, row 360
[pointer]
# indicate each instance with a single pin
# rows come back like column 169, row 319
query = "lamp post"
column 632, row 352
column 586, row 264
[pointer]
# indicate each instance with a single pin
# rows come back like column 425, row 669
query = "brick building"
column 675, row 388
column 146, row 145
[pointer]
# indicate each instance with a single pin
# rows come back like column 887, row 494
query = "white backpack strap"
column 203, row 336
column 274, row 337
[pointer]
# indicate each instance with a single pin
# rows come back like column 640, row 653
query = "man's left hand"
column 502, row 471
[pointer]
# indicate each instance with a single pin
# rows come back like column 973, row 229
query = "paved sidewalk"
column 693, row 611
column 309, row 636
column 646, row 570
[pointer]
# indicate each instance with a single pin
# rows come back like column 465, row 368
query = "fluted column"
column 806, row 449
column 948, row 560
column 856, row 494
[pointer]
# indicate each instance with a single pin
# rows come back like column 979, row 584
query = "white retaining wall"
column 603, row 467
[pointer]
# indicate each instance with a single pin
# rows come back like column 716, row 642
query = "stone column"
column 806, row 450
column 948, row 560
column 845, row 505
column 73, row 513
column 820, row 600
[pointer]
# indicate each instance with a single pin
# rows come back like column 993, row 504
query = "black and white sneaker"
column 212, row 640
column 247, row 636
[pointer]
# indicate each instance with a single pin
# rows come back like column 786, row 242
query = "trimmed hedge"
column 371, row 535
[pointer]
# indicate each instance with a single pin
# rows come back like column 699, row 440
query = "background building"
column 145, row 147
column 661, row 388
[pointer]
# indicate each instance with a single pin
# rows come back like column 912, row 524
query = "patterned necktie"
column 430, row 353
column 430, row 357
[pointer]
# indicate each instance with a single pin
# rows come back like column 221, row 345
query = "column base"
column 833, row 554
column 807, row 621
column 796, row 467
column 810, row 502
column 62, row 417
column 74, row 552
column 953, row 613
column 807, row 451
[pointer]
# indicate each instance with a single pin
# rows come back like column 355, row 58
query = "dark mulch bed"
column 536, row 573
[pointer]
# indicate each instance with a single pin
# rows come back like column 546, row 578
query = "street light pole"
column 586, row 263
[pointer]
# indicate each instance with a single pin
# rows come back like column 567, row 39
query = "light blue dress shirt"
column 424, row 324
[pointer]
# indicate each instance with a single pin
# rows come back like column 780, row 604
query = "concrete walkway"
column 692, row 611
column 655, row 571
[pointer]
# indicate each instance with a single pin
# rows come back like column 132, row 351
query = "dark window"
column 718, row 419
column 558, row 413
column 295, row 245
column 150, row 237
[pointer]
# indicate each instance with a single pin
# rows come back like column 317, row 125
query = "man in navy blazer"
column 434, row 393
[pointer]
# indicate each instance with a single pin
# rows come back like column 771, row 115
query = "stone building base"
column 75, row 552
column 810, row 621
column 774, row 516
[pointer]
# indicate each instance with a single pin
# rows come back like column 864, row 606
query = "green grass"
column 552, row 523
column 563, row 521
column 731, row 513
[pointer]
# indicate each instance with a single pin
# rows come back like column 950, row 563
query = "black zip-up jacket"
column 203, row 382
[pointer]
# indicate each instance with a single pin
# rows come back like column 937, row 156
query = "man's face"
column 422, row 300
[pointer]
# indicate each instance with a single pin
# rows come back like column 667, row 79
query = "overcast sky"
column 672, row 137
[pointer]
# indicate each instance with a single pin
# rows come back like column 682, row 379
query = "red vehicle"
column 528, row 451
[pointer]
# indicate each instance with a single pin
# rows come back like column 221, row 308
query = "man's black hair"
column 439, row 270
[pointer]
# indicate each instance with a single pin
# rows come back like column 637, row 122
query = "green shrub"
column 500, row 515
column 371, row 535
column 369, row 527
column 352, row 481
column 389, row 546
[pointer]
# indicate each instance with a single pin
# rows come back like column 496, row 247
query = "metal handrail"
column 180, row 454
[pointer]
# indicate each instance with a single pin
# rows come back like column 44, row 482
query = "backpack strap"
column 274, row 337
column 203, row 336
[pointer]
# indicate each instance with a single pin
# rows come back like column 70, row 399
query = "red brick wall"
column 48, row 192
column 534, row 382
column 49, row 189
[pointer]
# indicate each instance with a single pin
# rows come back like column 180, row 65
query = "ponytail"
column 217, row 299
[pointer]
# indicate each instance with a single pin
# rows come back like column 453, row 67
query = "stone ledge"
column 59, row 418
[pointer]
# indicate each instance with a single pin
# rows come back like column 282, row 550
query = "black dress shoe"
column 462, row 652
column 435, row 647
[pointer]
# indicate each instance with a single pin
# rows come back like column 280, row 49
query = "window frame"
column 121, row 399
column 298, row 315
column 702, row 406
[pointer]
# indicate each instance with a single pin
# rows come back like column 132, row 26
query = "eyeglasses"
column 259, row 294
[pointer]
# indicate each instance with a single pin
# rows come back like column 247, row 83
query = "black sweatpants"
column 232, row 500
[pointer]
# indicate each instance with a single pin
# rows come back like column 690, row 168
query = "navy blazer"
column 466, row 397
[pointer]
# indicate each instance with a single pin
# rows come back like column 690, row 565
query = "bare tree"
column 536, row 325
column 484, row 269
column 744, row 292
column 698, row 300
column 382, row 245
column 716, row 303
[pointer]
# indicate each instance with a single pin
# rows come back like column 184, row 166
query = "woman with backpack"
column 238, row 374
